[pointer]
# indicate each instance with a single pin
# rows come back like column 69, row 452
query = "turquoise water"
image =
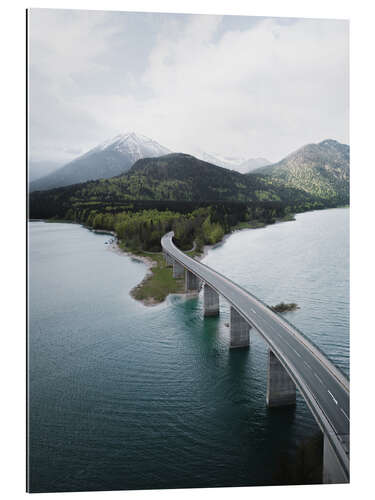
column 125, row 397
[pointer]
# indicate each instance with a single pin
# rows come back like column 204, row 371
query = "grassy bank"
column 255, row 224
column 159, row 281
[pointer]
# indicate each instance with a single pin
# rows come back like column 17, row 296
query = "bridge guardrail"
column 336, row 440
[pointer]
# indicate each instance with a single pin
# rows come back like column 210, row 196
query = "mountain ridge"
column 321, row 169
column 314, row 176
column 240, row 164
column 116, row 155
column 179, row 178
column 108, row 159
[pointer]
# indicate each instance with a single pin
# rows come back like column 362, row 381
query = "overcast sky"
column 241, row 86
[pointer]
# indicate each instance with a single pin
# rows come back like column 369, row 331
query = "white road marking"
column 280, row 322
column 333, row 397
column 346, row 416
column 298, row 354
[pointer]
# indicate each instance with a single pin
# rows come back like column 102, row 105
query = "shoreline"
column 152, row 263
column 158, row 282
column 155, row 263
column 206, row 248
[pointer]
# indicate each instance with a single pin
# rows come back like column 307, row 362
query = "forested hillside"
column 174, row 177
column 199, row 201
column 321, row 170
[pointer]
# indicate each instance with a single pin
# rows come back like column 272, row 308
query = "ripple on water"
column 123, row 396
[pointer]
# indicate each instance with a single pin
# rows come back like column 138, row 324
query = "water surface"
column 127, row 397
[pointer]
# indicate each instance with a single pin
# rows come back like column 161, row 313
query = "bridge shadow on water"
column 207, row 331
column 261, row 441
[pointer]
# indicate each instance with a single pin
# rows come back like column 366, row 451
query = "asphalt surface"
column 324, row 388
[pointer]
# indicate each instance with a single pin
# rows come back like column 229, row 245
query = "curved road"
column 324, row 388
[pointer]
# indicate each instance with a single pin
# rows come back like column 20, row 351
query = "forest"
column 142, row 229
column 199, row 201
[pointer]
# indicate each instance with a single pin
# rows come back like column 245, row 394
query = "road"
column 324, row 388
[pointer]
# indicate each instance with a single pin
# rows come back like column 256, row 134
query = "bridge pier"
column 333, row 472
column 281, row 390
column 191, row 282
column 168, row 260
column 239, row 330
column 210, row 301
column 178, row 269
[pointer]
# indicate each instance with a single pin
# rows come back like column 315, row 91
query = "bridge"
column 293, row 361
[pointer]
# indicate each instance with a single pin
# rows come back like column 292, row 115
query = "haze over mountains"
column 241, row 165
column 115, row 156
column 38, row 169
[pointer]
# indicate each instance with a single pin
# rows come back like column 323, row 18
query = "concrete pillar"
column 168, row 259
column 191, row 282
column 281, row 390
column 210, row 301
column 239, row 330
column 333, row 472
column 178, row 270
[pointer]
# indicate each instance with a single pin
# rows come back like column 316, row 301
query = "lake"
column 123, row 396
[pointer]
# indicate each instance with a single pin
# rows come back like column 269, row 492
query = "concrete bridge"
column 293, row 362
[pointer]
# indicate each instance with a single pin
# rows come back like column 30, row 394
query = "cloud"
column 190, row 82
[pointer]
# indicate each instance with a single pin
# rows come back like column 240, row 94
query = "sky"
column 231, row 85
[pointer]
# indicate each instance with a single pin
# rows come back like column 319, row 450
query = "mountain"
column 252, row 164
column 321, row 170
column 230, row 162
column 38, row 169
column 176, row 177
column 114, row 157
column 180, row 176
column 109, row 159
column 242, row 165
column 315, row 176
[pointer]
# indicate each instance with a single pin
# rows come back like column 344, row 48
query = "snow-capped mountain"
column 116, row 155
column 110, row 158
column 222, row 161
column 239, row 164
column 134, row 145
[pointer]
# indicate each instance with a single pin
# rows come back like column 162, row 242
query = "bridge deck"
column 324, row 388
